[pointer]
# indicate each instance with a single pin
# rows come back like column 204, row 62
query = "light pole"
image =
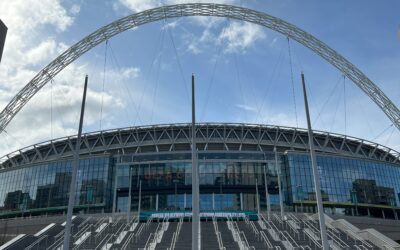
column 317, row 186
column 75, row 164
column 195, row 180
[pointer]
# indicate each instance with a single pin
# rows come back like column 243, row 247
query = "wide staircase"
column 291, row 232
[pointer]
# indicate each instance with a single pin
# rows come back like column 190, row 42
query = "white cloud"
column 75, row 9
column 239, row 36
column 246, row 107
column 236, row 37
column 28, row 48
column 140, row 5
column 42, row 52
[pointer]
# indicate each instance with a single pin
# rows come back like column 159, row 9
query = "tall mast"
column 321, row 215
column 75, row 164
column 195, row 180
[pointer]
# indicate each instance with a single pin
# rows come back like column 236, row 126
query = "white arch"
column 199, row 9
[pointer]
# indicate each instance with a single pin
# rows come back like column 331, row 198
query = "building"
column 3, row 33
column 358, row 177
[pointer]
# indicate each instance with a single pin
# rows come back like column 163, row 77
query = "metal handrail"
column 127, row 242
column 218, row 234
column 36, row 242
column 176, row 235
column 58, row 243
column 266, row 240
column 106, row 240
column 101, row 232
column 84, row 222
column 147, row 242
column 287, row 237
column 306, row 231
column 81, row 232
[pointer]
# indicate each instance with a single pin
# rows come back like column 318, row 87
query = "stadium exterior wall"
column 357, row 177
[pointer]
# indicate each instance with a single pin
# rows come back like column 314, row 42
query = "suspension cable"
column 381, row 133
column 104, row 80
column 153, row 61
column 6, row 140
column 390, row 136
column 179, row 63
column 157, row 75
column 334, row 116
column 239, row 81
column 327, row 100
column 51, row 108
column 292, row 80
column 344, row 103
column 275, row 72
column 210, row 84
column 13, row 137
column 114, row 59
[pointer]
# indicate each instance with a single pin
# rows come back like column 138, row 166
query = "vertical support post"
column 241, row 201
column 257, row 199
column 279, row 172
column 157, row 202
column 71, row 199
column 213, row 201
column 128, row 214
column 114, row 207
column 267, row 201
column 176, row 196
column 195, row 178
column 140, row 199
column 321, row 215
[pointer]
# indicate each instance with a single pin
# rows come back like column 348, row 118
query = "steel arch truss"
column 199, row 9
column 210, row 137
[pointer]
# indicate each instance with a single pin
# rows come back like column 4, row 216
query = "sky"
column 244, row 73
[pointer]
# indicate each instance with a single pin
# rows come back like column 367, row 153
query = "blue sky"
column 242, row 70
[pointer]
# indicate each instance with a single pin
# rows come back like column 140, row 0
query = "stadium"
column 132, row 187
column 357, row 176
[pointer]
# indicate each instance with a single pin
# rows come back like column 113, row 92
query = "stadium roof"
column 210, row 136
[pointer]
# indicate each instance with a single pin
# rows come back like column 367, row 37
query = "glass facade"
column 225, row 184
column 44, row 188
column 228, row 181
column 345, row 182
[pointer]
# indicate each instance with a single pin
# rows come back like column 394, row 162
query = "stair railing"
column 36, row 242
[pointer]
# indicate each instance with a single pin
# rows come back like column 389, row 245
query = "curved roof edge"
column 211, row 136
